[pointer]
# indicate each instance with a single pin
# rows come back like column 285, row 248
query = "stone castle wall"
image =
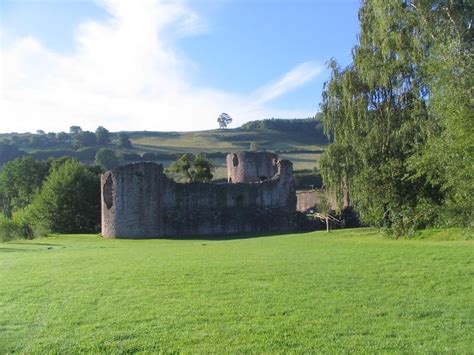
column 306, row 200
column 251, row 167
column 140, row 201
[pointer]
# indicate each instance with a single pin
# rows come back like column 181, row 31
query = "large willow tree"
column 381, row 114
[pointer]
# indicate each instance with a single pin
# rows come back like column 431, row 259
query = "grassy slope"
column 231, row 140
column 350, row 290
column 223, row 140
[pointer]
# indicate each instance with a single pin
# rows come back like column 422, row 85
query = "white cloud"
column 294, row 79
column 125, row 75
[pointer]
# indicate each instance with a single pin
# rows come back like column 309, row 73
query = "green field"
column 223, row 140
column 232, row 140
column 350, row 290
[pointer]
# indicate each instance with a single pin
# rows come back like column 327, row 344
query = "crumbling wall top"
column 249, row 167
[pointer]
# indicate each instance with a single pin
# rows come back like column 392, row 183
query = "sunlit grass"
column 350, row 290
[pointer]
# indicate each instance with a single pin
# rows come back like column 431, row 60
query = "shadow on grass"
column 31, row 243
column 28, row 244
column 11, row 250
column 16, row 250
column 221, row 237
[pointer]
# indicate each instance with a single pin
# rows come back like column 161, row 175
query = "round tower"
column 250, row 167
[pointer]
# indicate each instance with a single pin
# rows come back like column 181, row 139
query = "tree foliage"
column 383, row 114
column 84, row 139
column 20, row 180
column 102, row 135
column 106, row 159
column 447, row 159
column 124, row 140
column 75, row 129
column 310, row 126
column 192, row 168
column 224, row 120
column 69, row 199
column 9, row 152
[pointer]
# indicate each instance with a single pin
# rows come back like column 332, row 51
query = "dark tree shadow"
column 220, row 237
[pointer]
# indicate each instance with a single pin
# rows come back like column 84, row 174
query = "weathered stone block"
column 140, row 201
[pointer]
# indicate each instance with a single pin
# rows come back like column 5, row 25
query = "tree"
column 63, row 138
column 192, row 168
column 202, row 169
column 38, row 140
column 20, row 180
column 52, row 140
column 69, row 200
column 375, row 111
column 40, row 131
column 124, row 140
column 102, row 135
column 253, row 146
column 75, row 129
column 401, row 115
column 84, row 139
column 9, row 152
column 224, row 120
column 106, row 158
column 446, row 160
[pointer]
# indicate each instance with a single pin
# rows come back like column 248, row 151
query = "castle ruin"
column 140, row 201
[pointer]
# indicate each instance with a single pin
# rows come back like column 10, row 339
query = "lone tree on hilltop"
column 224, row 120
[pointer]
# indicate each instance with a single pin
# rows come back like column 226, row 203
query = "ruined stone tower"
column 248, row 167
column 140, row 201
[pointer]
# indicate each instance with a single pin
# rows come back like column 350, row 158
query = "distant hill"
column 269, row 134
column 301, row 140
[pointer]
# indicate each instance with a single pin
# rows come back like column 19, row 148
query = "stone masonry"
column 140, row 201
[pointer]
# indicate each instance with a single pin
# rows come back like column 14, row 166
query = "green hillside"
column 300, row 140
column 300, row 147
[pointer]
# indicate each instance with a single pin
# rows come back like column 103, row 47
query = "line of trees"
column 401, row 116
column 76, row 138
column 38, row 197
column 307, row 126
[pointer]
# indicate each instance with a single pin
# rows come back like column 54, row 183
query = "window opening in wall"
column 235, row 160
column 109, row 192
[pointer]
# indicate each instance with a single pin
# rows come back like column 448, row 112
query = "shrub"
column 8, row 229
column 69, row 200
column 52, row 153
column 149, row 156
column 130, row 157
column 87, row 153
column 28, row 226
column 106, row 158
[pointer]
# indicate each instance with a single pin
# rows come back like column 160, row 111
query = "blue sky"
column 166, row 65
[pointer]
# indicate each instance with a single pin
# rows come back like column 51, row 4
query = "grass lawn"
column 349, row 290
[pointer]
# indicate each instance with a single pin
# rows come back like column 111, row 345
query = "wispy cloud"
column 124, row 74
column 295, row 78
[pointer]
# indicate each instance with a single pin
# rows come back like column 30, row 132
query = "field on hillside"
column 303, row 147
column 300, row 147
column 223, row 140
column 350, row 290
